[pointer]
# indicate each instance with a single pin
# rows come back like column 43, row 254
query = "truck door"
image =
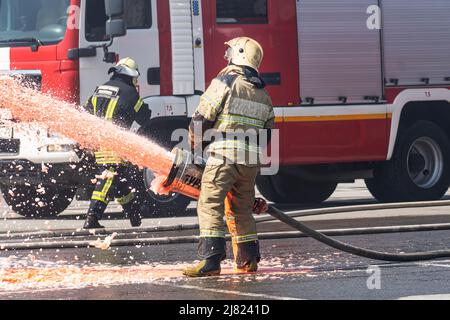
column 141, row 43
column 270, row 22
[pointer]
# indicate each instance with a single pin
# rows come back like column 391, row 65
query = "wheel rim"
column 148, row 178
column 425, row 162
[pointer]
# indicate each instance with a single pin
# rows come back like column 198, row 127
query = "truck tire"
column 161, row 205
column 419, row 169
column 285, row 188
column 157, row 205
column 34, row 202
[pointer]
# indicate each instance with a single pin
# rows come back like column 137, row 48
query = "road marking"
column 434, row 265
column 428, row 297
column 440, row 264
column 16, row 292
column 247, row 294
column 239, row 293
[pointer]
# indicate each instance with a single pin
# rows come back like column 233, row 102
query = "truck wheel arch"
column 412, row 100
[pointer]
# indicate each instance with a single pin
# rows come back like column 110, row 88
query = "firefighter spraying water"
column 235, row 102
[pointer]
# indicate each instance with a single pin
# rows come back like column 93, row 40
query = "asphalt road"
column 290, row 269
column 73, row 218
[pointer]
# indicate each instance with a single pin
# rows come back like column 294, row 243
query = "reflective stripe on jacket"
column 235, row 104
column 117, row 101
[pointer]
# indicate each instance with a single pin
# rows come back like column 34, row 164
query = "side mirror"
column 116, row 25
column 116, row 28
column 115, row 8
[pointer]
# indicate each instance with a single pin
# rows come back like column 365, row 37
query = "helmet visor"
column 127, row 71
column 229, row 54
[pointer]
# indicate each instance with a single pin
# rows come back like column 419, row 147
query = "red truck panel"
column 308, row 142
column 60, row 76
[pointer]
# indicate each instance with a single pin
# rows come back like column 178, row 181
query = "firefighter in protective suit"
column 118, row 101
column 235, row 101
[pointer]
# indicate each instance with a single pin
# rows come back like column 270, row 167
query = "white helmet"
column 244, row 51
column 126, row 66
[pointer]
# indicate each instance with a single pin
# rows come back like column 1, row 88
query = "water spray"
column 89, row 131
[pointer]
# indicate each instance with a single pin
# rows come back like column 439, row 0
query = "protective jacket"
column 118, row 101
column 237, row 107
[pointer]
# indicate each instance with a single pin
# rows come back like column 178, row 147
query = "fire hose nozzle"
column 185, row 177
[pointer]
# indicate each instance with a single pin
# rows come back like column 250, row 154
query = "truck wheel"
column 285, row 188
column 163, row 205
column 419, row 169
column 36, row 202
column 157, row 205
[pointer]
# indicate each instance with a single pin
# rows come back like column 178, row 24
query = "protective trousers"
column 228, row 189
column 118, row 184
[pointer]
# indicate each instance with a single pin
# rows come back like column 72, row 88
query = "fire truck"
column 360, row 87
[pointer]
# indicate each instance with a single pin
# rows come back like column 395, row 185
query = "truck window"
column 241, row 12
column 3, row 15
column 138, row 15
column 45, row 20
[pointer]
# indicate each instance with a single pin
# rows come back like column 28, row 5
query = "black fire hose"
column 366, row 253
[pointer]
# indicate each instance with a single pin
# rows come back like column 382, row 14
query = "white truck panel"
column 182, row 47
column 199, row 53
column 167, row 106
column 416, row 45
column 5, row 63
column 140, row 44
column 192, row 103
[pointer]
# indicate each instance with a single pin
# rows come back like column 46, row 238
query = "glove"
column 260, row 206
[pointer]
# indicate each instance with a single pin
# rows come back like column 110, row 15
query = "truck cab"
column 57, row 46
column 37, row 166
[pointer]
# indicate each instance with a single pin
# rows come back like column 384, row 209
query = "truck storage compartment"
column 340, row 57
column 416, row 46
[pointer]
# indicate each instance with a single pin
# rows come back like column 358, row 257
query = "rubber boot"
column 249, row 267
column 133, row 212
column 135, row 219
column 95, row 213
column 205, row 268
column 92, row 223
column 246, row 256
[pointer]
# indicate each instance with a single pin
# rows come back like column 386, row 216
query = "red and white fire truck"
column 360, row 87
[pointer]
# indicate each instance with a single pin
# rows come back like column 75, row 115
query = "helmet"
column 127, row 67
column 244, row 51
